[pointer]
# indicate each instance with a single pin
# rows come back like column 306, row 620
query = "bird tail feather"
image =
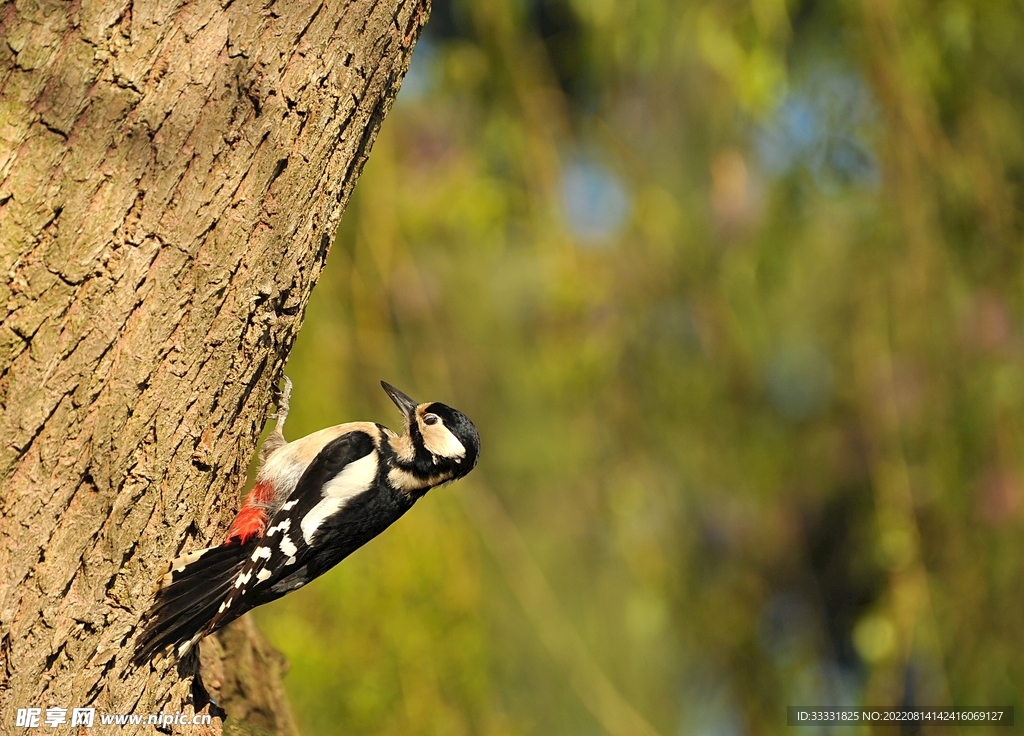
column 188, row 596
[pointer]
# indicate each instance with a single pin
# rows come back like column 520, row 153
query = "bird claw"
column 284, row 394
column 276, row 438
column 282, row 399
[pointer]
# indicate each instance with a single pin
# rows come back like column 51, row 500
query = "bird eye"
column 430, row 419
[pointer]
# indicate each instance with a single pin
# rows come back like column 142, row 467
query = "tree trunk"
column 171, row 177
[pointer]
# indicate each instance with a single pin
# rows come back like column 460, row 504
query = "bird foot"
column 282, row 400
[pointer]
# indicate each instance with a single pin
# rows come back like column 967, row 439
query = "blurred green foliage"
column 733, row 292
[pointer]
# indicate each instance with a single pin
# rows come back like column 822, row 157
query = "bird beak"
column 403, row 402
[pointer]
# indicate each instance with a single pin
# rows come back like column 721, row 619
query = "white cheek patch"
column 440, row 442
column 350, row 482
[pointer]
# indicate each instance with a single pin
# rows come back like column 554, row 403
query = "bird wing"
column 345, row 468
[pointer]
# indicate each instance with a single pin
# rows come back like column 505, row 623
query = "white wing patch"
column 285, row 466
column 288, row 547
column 285, row 525
column 357, row 477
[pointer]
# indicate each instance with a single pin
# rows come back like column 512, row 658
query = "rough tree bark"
column 171, row 177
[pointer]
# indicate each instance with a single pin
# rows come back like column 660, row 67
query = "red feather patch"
column 252, row 519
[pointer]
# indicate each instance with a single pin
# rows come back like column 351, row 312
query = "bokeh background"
column 732, row 289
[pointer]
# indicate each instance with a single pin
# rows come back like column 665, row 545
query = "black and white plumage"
column 316, row 500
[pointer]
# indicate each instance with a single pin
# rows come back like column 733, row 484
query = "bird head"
column 442, row 437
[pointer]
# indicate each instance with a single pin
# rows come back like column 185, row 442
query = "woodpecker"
column 316, row 500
